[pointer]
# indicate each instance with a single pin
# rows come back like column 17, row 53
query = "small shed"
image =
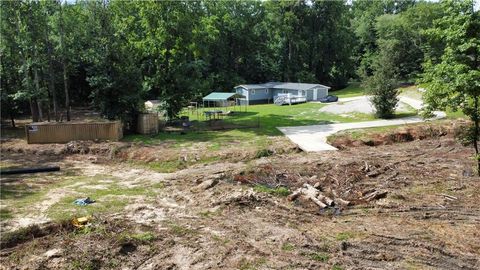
column 147, row 123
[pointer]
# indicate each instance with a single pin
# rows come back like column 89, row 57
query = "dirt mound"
column 22, row 235
column 55, row 149
column 403, row 134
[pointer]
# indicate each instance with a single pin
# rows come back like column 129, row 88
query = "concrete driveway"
column 314, row 138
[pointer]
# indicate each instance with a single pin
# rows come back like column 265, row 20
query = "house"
column 153, row 105
column 281, row 92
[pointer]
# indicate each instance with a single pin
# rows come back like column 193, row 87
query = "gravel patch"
column 360, row 105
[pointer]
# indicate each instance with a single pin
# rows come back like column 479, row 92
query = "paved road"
column 314, row 138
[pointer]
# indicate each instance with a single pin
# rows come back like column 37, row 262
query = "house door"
column 315, row 94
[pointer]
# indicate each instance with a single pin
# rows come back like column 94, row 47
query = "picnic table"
column 213, row 114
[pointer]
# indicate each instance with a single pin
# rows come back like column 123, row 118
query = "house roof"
column 154, row 101
column 282, row 85
column 216, row 96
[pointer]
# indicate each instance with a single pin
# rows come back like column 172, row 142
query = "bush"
column 263, row 153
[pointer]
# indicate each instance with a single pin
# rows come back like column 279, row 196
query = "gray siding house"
column 269, row 92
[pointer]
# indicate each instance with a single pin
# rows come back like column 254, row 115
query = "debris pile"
column 316, row 196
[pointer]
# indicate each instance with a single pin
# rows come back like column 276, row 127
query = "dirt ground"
column 234, row 214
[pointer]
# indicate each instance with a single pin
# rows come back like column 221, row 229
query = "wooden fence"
column 66, row 132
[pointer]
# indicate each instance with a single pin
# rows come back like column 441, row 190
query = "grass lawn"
column 256, row 125
column 267, row 117
column 354, row 89
column 411, row 92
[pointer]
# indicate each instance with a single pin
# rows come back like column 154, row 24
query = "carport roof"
column 218, row 96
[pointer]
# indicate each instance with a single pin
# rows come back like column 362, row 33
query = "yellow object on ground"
column 81, row 221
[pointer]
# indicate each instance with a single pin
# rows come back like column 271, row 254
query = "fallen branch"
column 339, row 200
column 375, row 195
column 310, row 192
column 448, row 197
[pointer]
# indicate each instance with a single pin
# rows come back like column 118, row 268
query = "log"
column 314, row 195
column 339, row 200
column 294, row 195
column 316, row 201
column 374, row 173
column 310, row 189
column 30, row 170
column 325, row 199
column 448, row 197
column 375, row 195
column 366, row 168
column 342, row 201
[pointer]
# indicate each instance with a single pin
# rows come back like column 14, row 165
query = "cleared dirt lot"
column 234, row 214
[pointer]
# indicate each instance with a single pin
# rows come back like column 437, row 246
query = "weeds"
column 288, row 247
column 5, row 214
column 252, row 265
column 320, row 257
column 278, row 191
column 263, row 153
column 144, row 237
column 180, row 230
column 344, row 236
column 221, row 240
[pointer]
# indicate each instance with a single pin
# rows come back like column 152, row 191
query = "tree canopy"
column 113, row 54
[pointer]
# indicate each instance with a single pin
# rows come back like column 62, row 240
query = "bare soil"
column 215, row 216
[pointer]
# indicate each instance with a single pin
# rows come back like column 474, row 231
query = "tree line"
column 114, row 54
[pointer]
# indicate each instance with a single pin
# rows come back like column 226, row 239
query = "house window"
column 303, row 92
column 253, row 92
column 266, row 91
column 285, row 91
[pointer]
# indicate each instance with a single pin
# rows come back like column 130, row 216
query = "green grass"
column 411, row 91
column 180, row 230
column 344, row 236
column 288, row 247
column 169, row 166
column 19, row 198
column 455, row 114
column 278, row 191
column 5, row 214
column 112, row 198
column 143, row 237
column 319, row 256
column 252, row 264
column 354, row 89
column 267, row 117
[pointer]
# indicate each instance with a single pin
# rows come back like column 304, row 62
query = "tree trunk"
column 34, row 110
column 37, row 87
column 64, row 66
column 40, row 110
column 12, row 119
column 476, row 133
column 51, row 81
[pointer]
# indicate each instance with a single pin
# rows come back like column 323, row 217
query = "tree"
column 365, row 14
column 113, row 72
column 382, row 85
column 10, row 80
column 453, row 78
